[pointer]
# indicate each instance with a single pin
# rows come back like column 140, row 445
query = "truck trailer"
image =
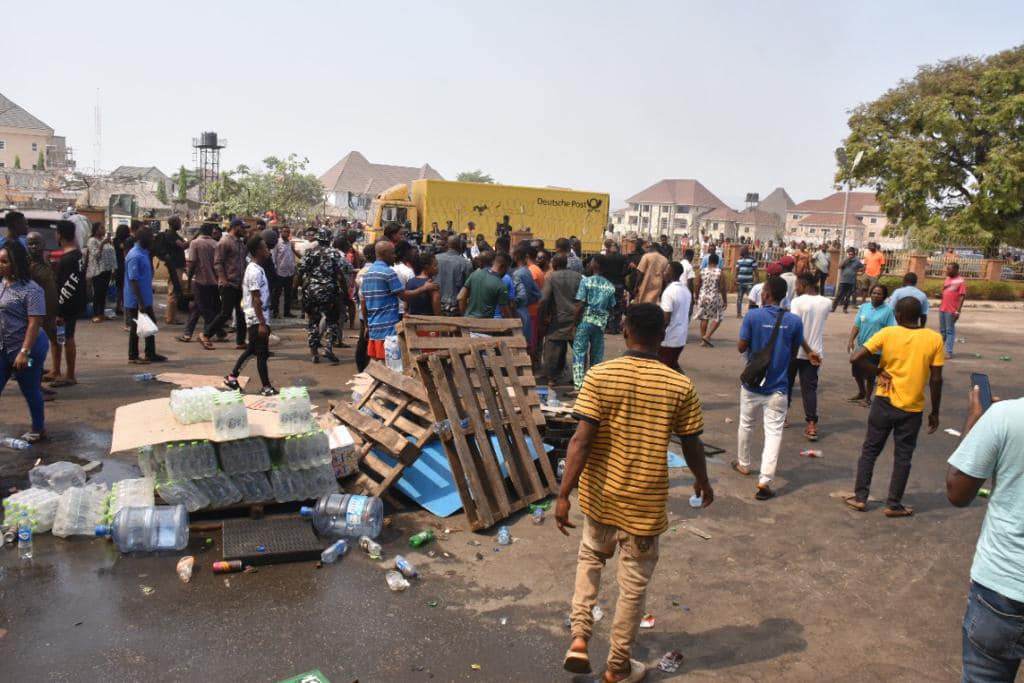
column 549, row 213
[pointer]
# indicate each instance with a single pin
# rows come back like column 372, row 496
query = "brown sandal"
column 899, row 511
column 855, row 504
column 207, row 344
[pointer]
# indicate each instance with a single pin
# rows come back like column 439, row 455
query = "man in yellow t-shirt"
column 628, row 410
column 911, row 357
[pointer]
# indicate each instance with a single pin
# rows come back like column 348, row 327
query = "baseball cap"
column 773, row 269
column 236, row 222
column 786, row 260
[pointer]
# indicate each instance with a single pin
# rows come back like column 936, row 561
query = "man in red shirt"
column 874, row 260
column 954, row 291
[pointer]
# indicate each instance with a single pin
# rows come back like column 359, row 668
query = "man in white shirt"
column 675, row 304
column 787, row 263
column 405, row 253
column 813, row 310
column 256, row 307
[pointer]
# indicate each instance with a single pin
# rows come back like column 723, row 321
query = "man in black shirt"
column 615, row 264
column 172, row 252
column 70, row 298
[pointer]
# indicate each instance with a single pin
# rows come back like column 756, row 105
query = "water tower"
column 206, row 159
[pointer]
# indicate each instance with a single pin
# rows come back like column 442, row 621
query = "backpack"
column 756, row 371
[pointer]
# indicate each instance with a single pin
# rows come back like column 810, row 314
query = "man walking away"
column 138, row 296
column 70, row 299
column 172, row 252
column 813, row 310
column 675, row 304
column 871, row 317
column 452, row 270
column 284, row 263
column 746, row 271
column 911, row 359
column 527, row 292
column 909, row 288
column 822, row 262
column 652, row 269
column 788, row 263
column 954, row 291
column 202, row 282
column 623, row 482
column 256, row 304
column 229, row 265
column 484, row 292
column 770, row 397
column 991, row 449
column 848, row 270
column 557, row 314
column 594, row 301
column 616, row 274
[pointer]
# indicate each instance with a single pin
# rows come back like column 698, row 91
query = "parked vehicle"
column 45, row 223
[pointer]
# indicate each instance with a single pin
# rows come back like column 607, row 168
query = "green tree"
column 161, row 191
column 40, row 163
column 17, row 161
column 284, row 186
column 476, row 176
column 182, row 183
column 945, row 151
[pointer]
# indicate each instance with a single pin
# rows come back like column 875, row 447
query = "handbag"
column 756, row 371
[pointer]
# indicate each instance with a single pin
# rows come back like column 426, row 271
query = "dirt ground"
column 797, row 588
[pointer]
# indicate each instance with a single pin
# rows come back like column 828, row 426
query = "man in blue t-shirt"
column 17, row 228
column 909, row 288
column 991, row 450
column 771, row 397
column 138, row 297
column 746, row 271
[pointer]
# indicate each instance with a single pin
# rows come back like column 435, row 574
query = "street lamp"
column 841, row 158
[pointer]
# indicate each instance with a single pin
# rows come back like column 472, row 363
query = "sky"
column 593, row 95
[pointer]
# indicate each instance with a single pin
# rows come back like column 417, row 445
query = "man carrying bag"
column 771, row 338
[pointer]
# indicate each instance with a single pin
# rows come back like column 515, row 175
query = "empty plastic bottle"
column 244, row 455
column 58, row 476
column 24, row 536
column 16, row 444
column 696, row 501
column 334, row 551
column 345, row 514
column 148, row 529
column 61, row 334
column 396, row 581
column 421, row 538
column 79, row 510
column 392, row 353
column 406, row 567
column 370, row 547
column 537, row 515
column 254, row 486
column 504, row 536
column 183, row 492
column 560, row 470
column 144, row 377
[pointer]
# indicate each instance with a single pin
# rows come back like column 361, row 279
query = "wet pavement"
column 797, row 589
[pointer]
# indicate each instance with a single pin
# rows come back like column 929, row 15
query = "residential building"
column 23, row 138
column 748, row 225
column 778, row 202
column 150, row 174
column 351, row 184
column 820, row 220
column 670, row 207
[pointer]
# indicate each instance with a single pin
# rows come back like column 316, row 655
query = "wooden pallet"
column 449, row 378
column 453, row 334
column 401, row 403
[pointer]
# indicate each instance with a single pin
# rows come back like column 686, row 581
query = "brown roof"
column 765, row 218
column 13, row 116
column 859, row 201
column 355, row 174
column 722, row 213
column 831, row 219
column 684, row 192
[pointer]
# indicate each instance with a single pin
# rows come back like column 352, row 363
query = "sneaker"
column 231, row 382
column 764, row 492
column 268, row 391
column 156, row 358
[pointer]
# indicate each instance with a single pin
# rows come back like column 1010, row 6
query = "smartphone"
column 985, row 389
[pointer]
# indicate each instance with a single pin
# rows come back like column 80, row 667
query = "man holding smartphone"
column 991, row 449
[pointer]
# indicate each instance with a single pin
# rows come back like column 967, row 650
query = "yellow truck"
column 548, row 212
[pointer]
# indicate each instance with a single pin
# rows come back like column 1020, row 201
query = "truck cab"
column 392, row 205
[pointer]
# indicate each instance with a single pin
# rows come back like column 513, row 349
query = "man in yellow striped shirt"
column 628, row 410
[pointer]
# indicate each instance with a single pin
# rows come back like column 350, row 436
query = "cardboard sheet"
column 151, row 422
column 189, row 381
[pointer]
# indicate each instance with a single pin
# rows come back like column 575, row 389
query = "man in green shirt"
column 483, row 291
column 594, row 300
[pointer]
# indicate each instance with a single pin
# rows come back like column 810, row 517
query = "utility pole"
column 841, row 158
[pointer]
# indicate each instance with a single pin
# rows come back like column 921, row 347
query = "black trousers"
column 808, row 386
column 883, row 419
column 553, row 358
column 846, row 291
column 820, row 278
column 259, row 347
column 133, row 333
column 99, row 294
column 205, row 303
column 230, row 302
column 281, row 286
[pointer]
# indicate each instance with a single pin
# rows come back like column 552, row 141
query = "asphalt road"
column 797, row 588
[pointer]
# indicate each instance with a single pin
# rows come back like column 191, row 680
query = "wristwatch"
column 25, row 351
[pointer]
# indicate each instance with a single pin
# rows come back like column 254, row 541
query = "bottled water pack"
column 193, row 405
column 183, row 492
column 219, row 489
column 151, row 461
column 255, row 487
column 230, row 419
column 294, row 414
column 79, row 510
column 39, row 504
column 190, row 460
column 244, row 455
column 302, row 451
column 129, row 493
column 58, row 476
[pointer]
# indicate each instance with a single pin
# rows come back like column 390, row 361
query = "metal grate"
column 283, row 539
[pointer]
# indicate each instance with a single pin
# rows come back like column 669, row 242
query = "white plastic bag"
column 145, row 326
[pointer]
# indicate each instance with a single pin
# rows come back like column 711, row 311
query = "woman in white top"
column 100, row 261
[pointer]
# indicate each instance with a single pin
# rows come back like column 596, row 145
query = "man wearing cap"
column 322, row 271
column 229, row 266
column 787, row 263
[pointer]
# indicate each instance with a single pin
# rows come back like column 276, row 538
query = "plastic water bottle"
column 560, row 470
column 334, row 551
column 220, row 489
column 406, row 567
column 16, row 444
column 58, row 476
column 553, row 401
column 696, row 501
column 345, row 514
column 24, row 536
column 538, row 516
column 254, row 486
column 396, row 581
column 79, row 510
column 61, row 335
column 504, row 536
column 144, row 377
column 422, row 538
column 39, row 504
column 392, row 353
column 370, row 547
column 183, row 492
column 148, row 529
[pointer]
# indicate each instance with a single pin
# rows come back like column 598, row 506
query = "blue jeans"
column 742, row 290
column 993, row 636
column 588, row 336
column 947, row 326
column 30, row 379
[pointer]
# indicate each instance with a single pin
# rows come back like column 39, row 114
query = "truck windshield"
column 398, row 214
